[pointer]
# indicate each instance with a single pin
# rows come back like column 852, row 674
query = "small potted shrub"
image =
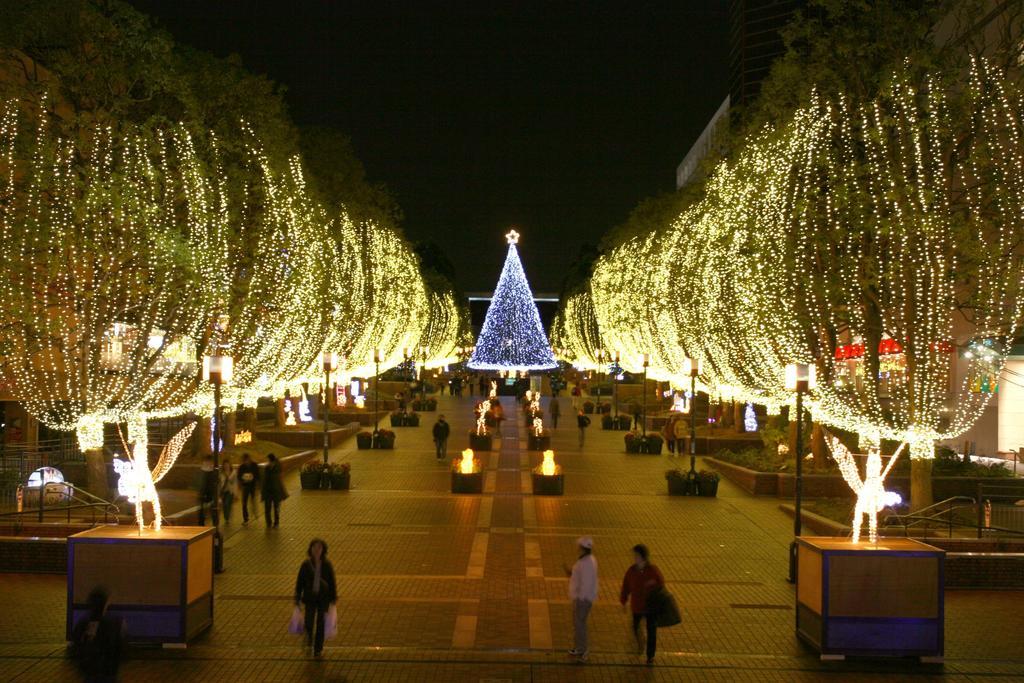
column 385, row 439
column 680, row 483
column 588, row 407
column 412, row 420
column 707, row 483
column 426, row 405
column 652, row 444
column 311, row 475
column 397, row 419
column 339, row 475
column 625, row 422
column 607, row 422
column 364, row 440
column 632, row 440
column 604, row 408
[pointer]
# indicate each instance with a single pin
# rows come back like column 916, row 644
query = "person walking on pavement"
column 669, row 435
column 555, row 411
column 681, row 434
column 483, row 385
column 499, row 416
column 441, row 431
column 97, row 640
column 273, row 491
column 228, row 484
column 248, row 479
column 642, row 578
column 582, row 421
column 207, row 487
column 583, row 594
column 317, row 590
column 636, row 409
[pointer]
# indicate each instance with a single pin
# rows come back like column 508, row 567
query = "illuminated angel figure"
column 137, row 482
column 871, row 494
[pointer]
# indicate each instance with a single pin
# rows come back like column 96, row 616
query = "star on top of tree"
column 512, row 237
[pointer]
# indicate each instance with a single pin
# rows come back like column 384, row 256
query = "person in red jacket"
column 641, row 578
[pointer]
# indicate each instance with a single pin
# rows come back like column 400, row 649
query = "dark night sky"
column 556, row 117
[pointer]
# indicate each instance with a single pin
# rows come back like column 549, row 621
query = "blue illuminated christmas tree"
column 512, row 337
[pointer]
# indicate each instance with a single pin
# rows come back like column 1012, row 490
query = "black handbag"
column 664, row 608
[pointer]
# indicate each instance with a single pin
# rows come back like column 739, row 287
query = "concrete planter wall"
column 364, row 418
column 300, row 438
column 754, row 483
column 183, row 475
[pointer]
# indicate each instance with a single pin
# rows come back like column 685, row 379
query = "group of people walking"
column 228, row 484
column 643, row 589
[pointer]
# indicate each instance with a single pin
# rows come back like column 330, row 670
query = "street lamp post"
column 615, row 387
column 376, row 390
column 692, row 368
column 217, row 370
column 600, row 362
column 423, row 366
column 643, row 390
column 330, row 363
column 799, row 378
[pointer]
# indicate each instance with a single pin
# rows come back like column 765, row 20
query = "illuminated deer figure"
column 137, row 482
column 871, row 494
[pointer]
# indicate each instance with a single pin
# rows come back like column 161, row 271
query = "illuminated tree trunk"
column 96, row 472
column 818, row 448
column 921, row 495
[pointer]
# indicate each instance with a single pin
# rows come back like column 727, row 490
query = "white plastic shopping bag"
column 296, row 623
column 331, row 623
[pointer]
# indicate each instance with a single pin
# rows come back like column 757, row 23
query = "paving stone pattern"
column 443, row 587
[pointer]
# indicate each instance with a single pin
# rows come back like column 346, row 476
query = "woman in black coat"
column 273, row 490
column 316, row 589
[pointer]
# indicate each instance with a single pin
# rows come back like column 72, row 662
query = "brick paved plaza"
column 441, row 587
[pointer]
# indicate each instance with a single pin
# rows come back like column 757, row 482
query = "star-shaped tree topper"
column 512, row 237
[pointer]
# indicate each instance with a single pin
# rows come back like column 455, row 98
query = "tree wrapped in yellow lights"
column 871, row 238
column 575, row 331
column 108, row 249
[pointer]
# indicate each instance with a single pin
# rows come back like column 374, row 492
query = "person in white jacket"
column 583, row 593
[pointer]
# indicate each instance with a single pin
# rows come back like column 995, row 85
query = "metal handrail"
column 923, row 516
column 92, row 502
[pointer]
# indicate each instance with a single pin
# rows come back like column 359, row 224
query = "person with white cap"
column 583, row 593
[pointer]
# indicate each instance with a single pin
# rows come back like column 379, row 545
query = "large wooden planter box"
column 870, row 600
column 160, row 583
column 681, row 486
column 479, row 442
column 406, row 420
column 708, row 489
column 310, row 480
column 320, row 480
column 467, row 483
column 538, row 443
column 548, row 484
